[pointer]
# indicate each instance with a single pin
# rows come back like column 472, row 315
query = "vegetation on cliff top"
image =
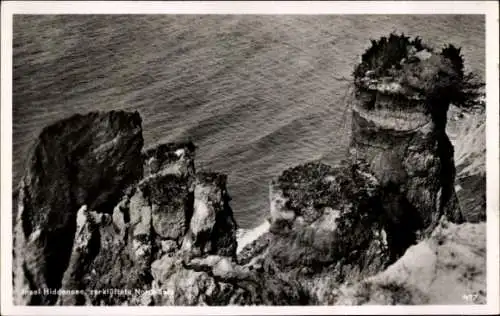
column 316, row 185
column 386, row 53
column 312, row 187
column 437, row 76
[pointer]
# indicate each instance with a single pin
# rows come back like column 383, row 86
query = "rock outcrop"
column 399, row 121
column 212, row 228
column 336, row 210
column 324, row 221
column 171, row 158
column 83, row 160
column 170, row 217
column 449, row 267
column 115, row 225
column 467, row 130
column 351, row 221
column 146, row 229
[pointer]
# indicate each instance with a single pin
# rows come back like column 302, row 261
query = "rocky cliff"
column 117, row 224
column 339, row 225
column 83, row 160
column 448, row 267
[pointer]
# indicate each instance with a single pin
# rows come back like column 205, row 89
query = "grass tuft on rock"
column 419, row 70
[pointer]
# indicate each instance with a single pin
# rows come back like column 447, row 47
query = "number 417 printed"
column 474, row 298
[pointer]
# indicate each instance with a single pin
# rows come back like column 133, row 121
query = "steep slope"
column 449, row 267
column 83, row 160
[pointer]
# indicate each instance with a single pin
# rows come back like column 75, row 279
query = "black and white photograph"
column 241, row 159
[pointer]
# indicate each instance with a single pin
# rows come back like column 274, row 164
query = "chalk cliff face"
column 96, row 212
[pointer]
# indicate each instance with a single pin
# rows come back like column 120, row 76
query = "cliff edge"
column 102, row 221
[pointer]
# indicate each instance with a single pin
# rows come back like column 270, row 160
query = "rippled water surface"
column 257, row 94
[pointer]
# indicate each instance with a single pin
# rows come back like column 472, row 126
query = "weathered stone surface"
column 161, row 206
column 168, row 246
column 339, row 219
column 472, row 197
column 164, row 267
column 255, row 249
column 178, row 284
column 85, row 247
column 83, row 160
column 300, row 194
column 327, row 221
column 370, row 135
column 217, row 280
column 409, row 123
column 26, row 274
column 278, row 209
column 417, row 164
column 137, row 246
column 105, row 260
column 134, row 246
column 467, row 133
column 449, row 267
column 173, row 158
column 120, row 263
column 212, row 228
column 171, row 204
column 188, row 287
column 139, row 210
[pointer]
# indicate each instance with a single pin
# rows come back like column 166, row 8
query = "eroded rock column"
column 212, row 229
column 399, row 120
